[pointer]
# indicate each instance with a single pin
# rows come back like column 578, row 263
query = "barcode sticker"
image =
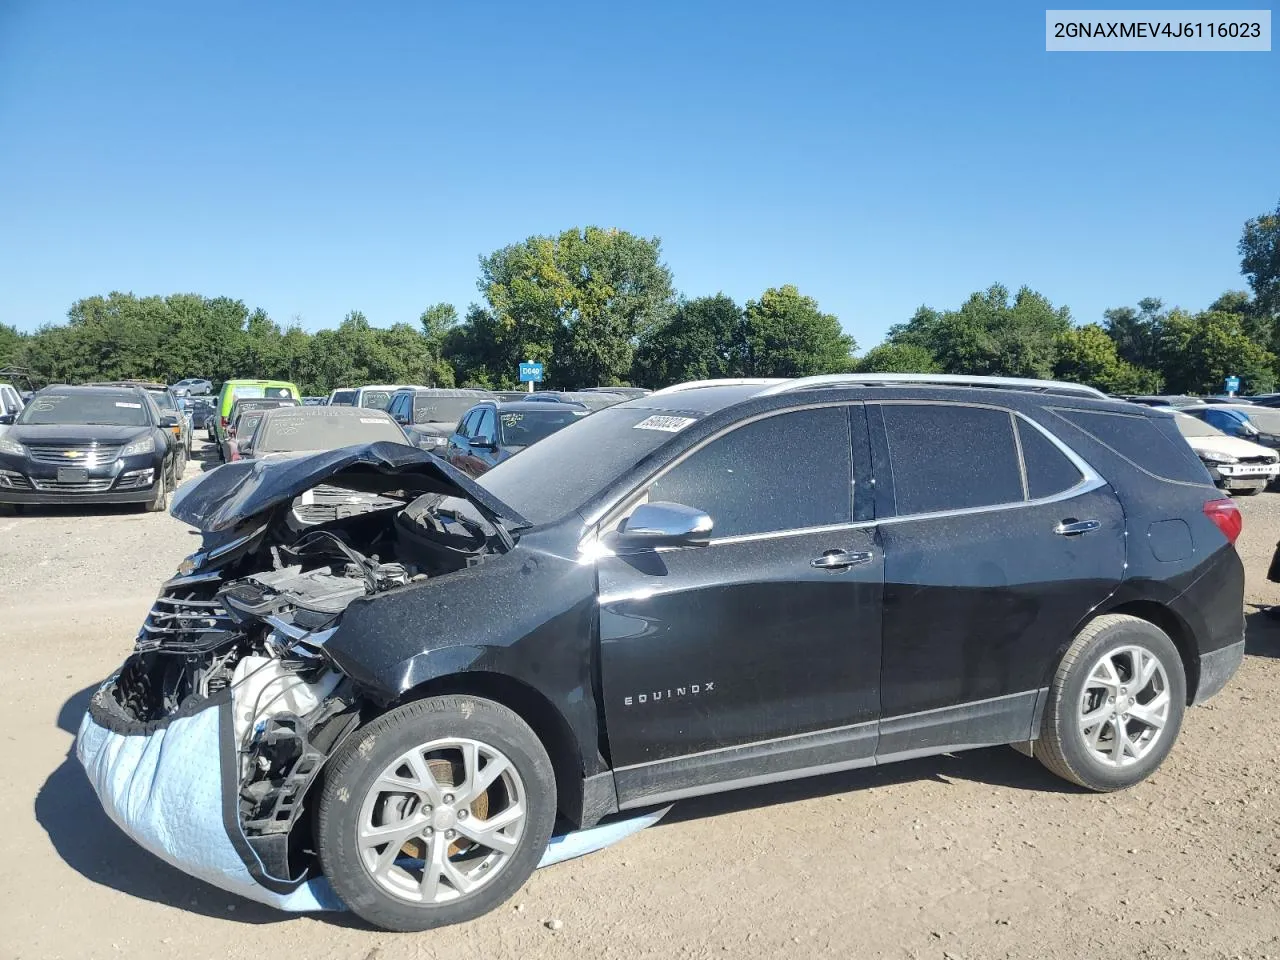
column 664, row 423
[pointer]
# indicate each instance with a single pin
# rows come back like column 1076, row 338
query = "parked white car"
column 1237, row 465
column 10, row 405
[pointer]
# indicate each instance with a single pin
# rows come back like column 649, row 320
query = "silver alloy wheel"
column 1125, row 705
column 442, row 820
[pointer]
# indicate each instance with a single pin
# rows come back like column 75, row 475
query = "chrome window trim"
column 1090, row 480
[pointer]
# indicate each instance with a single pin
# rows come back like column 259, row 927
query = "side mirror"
column 663, row 525
column 401, row 419
column 7, row 418
column 485, row 443
column 169, row 420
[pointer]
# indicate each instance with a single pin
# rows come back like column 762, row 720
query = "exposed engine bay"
column 246, row 620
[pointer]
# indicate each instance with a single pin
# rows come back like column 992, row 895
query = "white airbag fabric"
column 164, row 790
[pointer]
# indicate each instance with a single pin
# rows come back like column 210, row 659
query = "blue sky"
column 317, row 158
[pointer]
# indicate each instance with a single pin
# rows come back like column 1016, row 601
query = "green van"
column 234, row 390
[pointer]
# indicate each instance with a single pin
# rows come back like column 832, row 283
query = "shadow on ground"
column 1262, row 632
column 998, row 766
column 92, row 845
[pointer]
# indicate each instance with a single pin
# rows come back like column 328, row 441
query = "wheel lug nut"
column 449, row 834
column 462, row 814
column 428, row 832
column 448, row 798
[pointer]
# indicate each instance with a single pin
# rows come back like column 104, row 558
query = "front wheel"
column 160, row 503
column 435, row 813
column 1115, row 705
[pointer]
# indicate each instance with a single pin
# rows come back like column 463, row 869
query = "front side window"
column 486, row 426
column 951, row 457
column 785, row 472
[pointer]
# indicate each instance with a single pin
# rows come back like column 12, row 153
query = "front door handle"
column 1072, row 528
column 839, row 560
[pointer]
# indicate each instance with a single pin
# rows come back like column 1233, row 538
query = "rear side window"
column 1048, row 469
column 951, row 457
column 1152, row 445
column 786, row 472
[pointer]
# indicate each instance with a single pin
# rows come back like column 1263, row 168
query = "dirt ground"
column 980, row 855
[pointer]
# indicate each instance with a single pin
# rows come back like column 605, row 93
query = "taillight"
column 1226, row 517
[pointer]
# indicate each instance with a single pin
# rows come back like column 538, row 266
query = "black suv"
column 714, row 586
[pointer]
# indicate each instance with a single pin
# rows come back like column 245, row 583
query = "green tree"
column 437, row 322
column 10, row 343
column 990, row 334
column 786, row 334
column 1198, row 353
column 898, row 358
column 1260, row 260
column 1088, row 355
column 578, row 301
column 1136, row 332
column 702, row 340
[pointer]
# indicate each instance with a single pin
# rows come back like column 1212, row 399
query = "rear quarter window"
column 1149, row 443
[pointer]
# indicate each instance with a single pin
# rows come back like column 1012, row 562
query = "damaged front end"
column 205, row 744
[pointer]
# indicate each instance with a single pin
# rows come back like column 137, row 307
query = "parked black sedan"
column 73, row 445
column 493, row 431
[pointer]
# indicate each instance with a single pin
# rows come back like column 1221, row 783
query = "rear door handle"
column 839, row 560
column 1072, row 528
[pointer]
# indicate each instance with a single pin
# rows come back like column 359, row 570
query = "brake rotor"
column 445, row 774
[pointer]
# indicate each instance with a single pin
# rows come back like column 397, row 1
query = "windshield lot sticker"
column 370, row 420
column 129, row 406
column 511, row 419
column 665, row 424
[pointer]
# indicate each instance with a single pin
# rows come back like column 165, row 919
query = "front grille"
column 185, row 624
column 13, row 481
column 74, row 454
column 84, row 486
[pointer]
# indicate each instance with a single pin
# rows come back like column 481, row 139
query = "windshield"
column 429, row 409
column 342, row 398
column 375, row 399
column 1190, row 426
column 524, row 428
column 113, row 409
column 315, row 428
column 571, row 466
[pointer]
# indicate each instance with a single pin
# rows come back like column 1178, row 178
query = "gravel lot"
column 981, row 855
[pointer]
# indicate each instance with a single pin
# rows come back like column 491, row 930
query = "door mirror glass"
column 169, row 420
column 8, row 418
column 485, row 443
column 663, row 524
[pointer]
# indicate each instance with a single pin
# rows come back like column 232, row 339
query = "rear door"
column 998, row 542
column 757, row 656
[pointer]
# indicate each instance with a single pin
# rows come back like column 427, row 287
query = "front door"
column 757, row 656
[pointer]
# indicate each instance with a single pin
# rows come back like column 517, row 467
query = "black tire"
column 1062, row 747
column 351, row 773
column 160, row 503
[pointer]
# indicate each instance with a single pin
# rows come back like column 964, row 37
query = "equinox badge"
column 671, row 693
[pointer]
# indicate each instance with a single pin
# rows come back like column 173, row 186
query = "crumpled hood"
column 1228, row 446
column 235, row 492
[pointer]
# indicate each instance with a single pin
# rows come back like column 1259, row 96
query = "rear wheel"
column 1115, row 705
column 435, row 813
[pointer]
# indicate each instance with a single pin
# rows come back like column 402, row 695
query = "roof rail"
column 726, row 382
column 941, row 379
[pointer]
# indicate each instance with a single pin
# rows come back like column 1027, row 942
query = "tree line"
column 599, row 307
